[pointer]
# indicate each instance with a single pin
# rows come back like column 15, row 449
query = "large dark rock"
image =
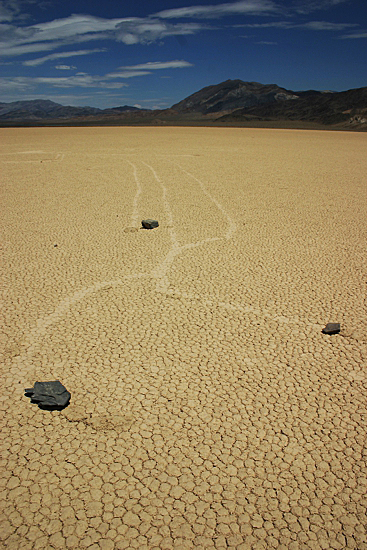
column 331, row 328
column 149, row 224
column 49, row 395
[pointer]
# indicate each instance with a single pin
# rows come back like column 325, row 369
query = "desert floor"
column 208, row 409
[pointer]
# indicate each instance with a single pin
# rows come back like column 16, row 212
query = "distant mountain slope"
column 233, row 94
column 321, row 107
column 124, row 109
column 250, row 101
column 233, row 102
column 36, row 105
column 40, row 109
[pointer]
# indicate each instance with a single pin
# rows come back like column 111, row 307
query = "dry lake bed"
column 208, row 409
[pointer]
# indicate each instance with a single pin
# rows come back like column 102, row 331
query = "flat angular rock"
column 49, row 395
column 149, row 224
column 331, row 328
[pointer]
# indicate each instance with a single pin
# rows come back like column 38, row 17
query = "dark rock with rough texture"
column 331, row 328
column 149, row 224
column 49, row 395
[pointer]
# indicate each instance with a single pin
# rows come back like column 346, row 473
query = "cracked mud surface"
column 208, row 410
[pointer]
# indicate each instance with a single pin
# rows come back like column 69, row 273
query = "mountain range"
column 44, row 109
column 229, row 103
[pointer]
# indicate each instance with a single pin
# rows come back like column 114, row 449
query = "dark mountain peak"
column 232, row 94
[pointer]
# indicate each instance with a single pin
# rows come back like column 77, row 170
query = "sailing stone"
column 50, row 395
column 331, row 328
column 149, row 224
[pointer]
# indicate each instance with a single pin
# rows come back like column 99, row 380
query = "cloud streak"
column 146, row 31
column 16, row 41
column 308, row 6
column 75, row 81
column 54, row 34
column 157, row 65
column 84, row 80
column 65, row 67
column 243, row 7
column 41, row 60
column 73, row 26
column 310, row 25
column 77, row 29
column 126, row 74
column 354, row 35
column 131, row 71
column 9, row 10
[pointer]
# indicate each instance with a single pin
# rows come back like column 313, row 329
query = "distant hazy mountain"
column 233, row 102
column 40, row 109
column 125, row 109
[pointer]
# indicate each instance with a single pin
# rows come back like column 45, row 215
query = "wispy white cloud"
column 157, row 65
column 65, row 67
column 308, row 6
column 57, row 83
column 14, row 84
column 20, row 47
column 62, row 55
column 14, row 48
column 66, row 32
column 66, row 82
column 326, row 26
column 9, row 10
column 131, row 71
column 355, row 35
column 272, row 24
column 16, row 41
column 310, row 25
column 75, row 81
column 13, row 10
column 146, row 31
column 244, row 7
column 126, row 74
column 85, row 80
column 55, row 34
column 74, row 25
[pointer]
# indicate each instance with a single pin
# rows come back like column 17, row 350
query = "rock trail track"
column 208, row 410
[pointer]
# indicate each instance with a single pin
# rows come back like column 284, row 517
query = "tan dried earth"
column 208, row 410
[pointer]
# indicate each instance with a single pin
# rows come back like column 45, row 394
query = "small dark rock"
column 55, row 245
column 149, row 224
column 331, row 328
column 49, row 395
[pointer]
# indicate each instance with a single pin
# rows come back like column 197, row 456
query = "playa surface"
column 208, row 409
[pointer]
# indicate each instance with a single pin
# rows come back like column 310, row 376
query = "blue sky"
column 154, row 53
